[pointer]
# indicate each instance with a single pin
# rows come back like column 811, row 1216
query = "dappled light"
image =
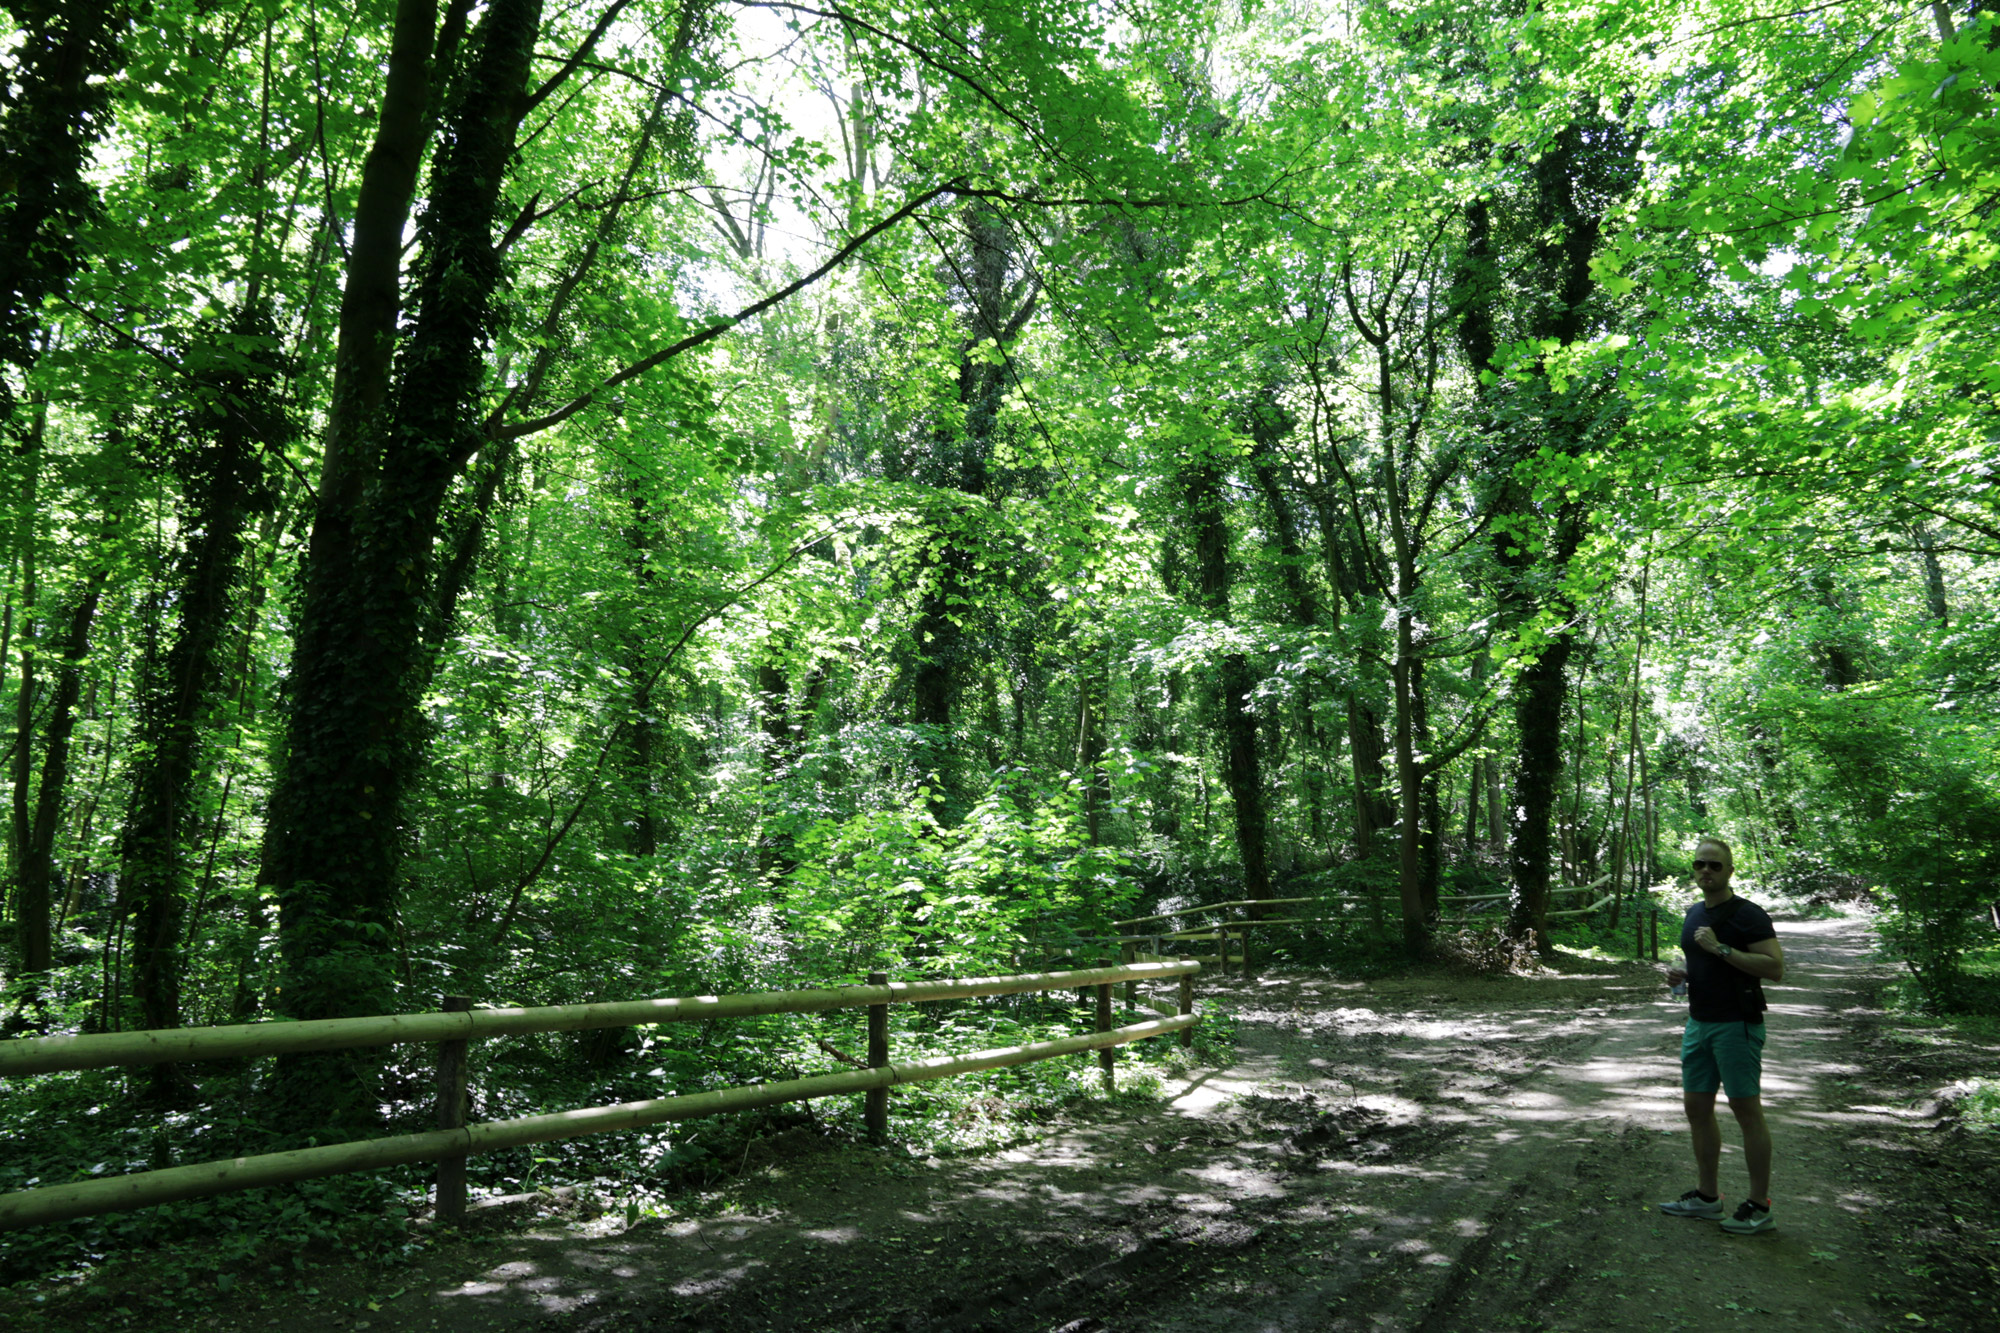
column 1414, row 1156
column 999, row 666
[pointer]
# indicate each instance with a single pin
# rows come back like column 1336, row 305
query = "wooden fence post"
column 1129, row 954
column 1106, row 1058
column 876, row 1106
column 1187, row 1007
column 451, row 1074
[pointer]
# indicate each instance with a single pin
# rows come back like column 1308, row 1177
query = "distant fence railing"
column 453, row 1029
column 1221, row 933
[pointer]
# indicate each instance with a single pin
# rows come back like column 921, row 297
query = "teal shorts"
column 1723, row 1055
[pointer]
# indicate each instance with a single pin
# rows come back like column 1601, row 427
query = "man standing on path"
column 1732, row 949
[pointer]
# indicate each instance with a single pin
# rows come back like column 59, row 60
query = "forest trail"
column 1411, row 1155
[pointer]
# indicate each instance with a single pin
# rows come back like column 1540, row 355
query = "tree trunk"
column 1496, row 806
column 1934, row 595
column 61, row 69
column 1268, row 425
column 31, row 913
column 958, row 466
column 25, row 522
column 774, row 701
column 1623, row 842
column 359, row 667
column 1652, row 862
column 642, row 531
column 1201, row 482
column 1373, row 810
column 1430, row 840
column 1472, row 798
column 1538, row 710
column 1093, row 684
column 181, row 688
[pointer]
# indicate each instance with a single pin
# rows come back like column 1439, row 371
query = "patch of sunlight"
column 833, row 1235
column 1604, row 1070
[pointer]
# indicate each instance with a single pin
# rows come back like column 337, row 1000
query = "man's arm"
column 1764, row 959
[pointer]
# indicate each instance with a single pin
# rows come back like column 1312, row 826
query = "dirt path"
column 1414, row 1156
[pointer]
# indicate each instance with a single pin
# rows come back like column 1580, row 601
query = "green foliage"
column 875, row 633
column 895, row 888
column 1917, row 793
column 1979, row 1109
column 82, row 1126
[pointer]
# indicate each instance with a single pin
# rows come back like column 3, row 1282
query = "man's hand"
column 1705, row 937
column 1676, row 975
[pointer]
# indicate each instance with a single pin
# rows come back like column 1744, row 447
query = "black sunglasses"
column 1710, row 865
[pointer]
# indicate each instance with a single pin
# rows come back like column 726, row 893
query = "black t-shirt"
column 1717, row 991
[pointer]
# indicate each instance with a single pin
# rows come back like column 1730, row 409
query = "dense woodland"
column 651, row 497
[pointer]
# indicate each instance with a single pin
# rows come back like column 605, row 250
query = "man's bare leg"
column 1708, row 1142
column 1749, row 1112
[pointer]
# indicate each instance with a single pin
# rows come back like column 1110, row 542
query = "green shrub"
column 1919, row 815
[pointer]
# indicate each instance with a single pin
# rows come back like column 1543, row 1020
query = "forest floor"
column 1426, row 1153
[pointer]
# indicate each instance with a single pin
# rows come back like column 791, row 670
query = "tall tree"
column 358, row 668
column 55, row 104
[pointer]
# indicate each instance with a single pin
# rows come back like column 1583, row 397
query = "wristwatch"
column 1722, row 950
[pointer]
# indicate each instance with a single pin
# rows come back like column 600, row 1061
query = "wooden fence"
column 1220, row 933
column 454, row 1028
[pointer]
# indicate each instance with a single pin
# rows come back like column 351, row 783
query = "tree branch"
column 577, row 58
column 721, row 326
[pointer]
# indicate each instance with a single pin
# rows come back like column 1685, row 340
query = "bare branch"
column 577, row 59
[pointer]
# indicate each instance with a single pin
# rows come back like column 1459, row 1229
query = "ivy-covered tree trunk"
column 225, row 484
column 1538, row 761
column 56, row 107
column 1201, row 488
column 1267, row 427
column 37, row 869
column 1588, row 166
column 999, row 303
column 359, row 665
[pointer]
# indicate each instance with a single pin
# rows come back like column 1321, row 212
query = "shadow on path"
column 1422, row 1155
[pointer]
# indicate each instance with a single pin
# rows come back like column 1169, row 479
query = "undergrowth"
column 1977, row 1008
column 1979, row 1107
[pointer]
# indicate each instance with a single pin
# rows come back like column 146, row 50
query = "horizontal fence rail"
column 1209, row 931
column 41, row 1055
column 1221, row 933
column 1211, row 907
column 447, row 1146
column 58, row 1203
column 1444, row 900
